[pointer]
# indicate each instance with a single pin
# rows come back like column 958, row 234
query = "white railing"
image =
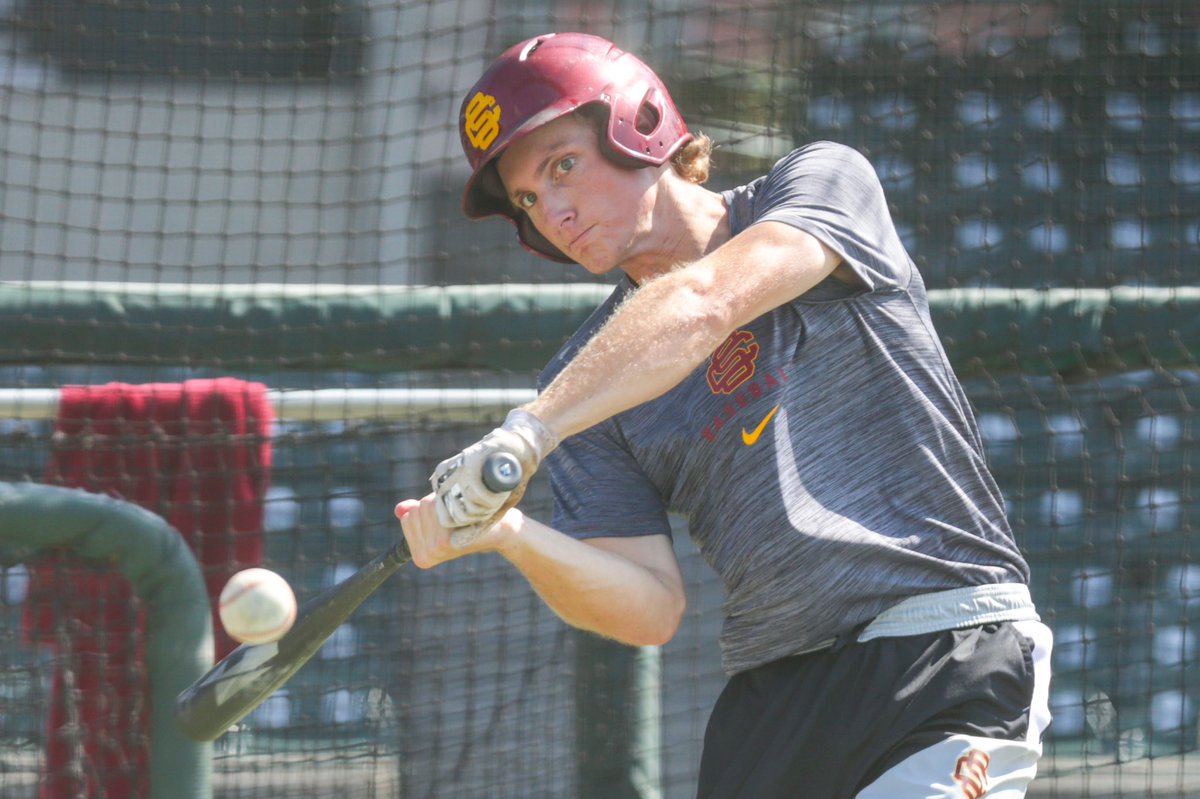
column 329, row 404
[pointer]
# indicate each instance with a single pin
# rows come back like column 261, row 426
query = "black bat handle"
column 501, row 472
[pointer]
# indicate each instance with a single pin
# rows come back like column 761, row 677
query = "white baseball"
column 257, row 606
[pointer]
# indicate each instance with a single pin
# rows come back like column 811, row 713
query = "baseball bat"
column 245, row 677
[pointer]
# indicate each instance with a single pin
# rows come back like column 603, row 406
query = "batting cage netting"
column 237, row 289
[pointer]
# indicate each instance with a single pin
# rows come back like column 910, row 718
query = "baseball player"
column 767, row 367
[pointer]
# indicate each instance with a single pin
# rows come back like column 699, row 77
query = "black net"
column 205, row 155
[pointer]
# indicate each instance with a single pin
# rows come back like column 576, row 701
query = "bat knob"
column 501, row 472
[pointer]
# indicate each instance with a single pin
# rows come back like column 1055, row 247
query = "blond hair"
column 694, row 159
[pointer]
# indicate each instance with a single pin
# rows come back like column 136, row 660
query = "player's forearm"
column 655, row 340
column 671, row 324
column 594, row 589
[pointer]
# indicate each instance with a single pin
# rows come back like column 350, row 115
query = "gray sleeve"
column 600, row 490
column 832, row 192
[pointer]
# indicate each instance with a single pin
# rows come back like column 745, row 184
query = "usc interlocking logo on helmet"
column 732, row 363
column 481, row 120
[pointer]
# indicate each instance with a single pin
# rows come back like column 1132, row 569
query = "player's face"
column 596, row 212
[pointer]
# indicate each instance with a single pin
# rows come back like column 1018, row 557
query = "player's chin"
column 597, row 265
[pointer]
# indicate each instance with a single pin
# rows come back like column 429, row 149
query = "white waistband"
column 959, row 607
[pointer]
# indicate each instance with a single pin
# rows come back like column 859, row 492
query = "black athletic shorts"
column 826, row 725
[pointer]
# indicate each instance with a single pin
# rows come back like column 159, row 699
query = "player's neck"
column 692, row 222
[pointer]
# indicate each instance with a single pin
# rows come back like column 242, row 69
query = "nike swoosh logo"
column 750, row 439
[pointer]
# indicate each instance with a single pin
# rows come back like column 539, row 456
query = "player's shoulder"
column 585, row 332
column 828, row 170
column 824, row 155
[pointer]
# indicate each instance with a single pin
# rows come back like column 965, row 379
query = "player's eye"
column 566, row 164
column 526, row 200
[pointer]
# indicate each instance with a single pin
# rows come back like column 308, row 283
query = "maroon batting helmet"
column 543, row 78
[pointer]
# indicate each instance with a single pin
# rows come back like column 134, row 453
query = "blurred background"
column 269, row 191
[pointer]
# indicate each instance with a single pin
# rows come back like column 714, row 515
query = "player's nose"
column 558, row 211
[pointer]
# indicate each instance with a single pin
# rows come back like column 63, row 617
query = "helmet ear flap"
column 648, row 119
column 637, row 130
column 606, row 123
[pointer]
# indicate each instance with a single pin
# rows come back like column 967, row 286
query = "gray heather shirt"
column 825, row 456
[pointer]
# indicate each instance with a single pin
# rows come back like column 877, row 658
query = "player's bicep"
column 768, row 265
column 655, row 553
column 656, row 556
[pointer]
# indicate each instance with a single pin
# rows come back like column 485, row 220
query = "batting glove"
column 463, row 501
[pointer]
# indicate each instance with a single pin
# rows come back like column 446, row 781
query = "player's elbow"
column 660, row 636
column 662, row 624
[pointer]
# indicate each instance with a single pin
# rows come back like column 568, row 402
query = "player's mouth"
column 575, row 242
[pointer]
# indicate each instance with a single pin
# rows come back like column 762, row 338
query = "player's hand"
column 431, row 543
column 463, row 499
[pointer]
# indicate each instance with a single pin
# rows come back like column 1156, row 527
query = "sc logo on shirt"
column 733, row 373
column 732, row 363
